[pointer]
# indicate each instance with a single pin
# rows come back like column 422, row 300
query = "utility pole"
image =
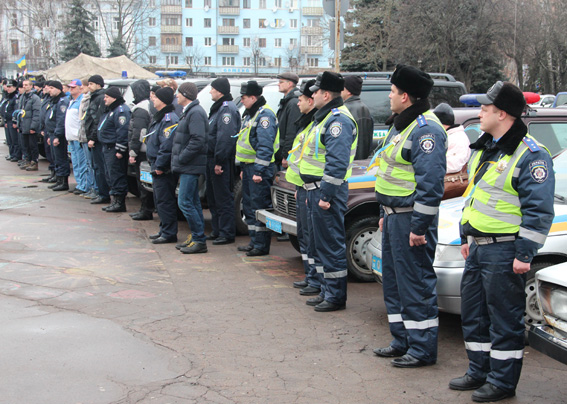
column 337, row 35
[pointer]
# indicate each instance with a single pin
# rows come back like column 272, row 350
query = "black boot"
column 112, row 203
column 59, row 181
column 48, row 179
column 64, row 186
column 119, row 204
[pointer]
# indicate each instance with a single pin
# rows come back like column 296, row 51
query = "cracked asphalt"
column 92, row 312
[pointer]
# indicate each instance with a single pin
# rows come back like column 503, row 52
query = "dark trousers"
column 221, row 201
column 254, row 197
column 30, row 146
column 166, row 203
column 99, row 166
column 61, row 158
column 303, row 237
column 146, row 197
column 13, row 141
column 48, row 152
column 493, row 302
column 25, row 154
column 409, row 283
column 116, row 170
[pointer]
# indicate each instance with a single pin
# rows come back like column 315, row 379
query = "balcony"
column 311, row 31
column 171, row 29
column 165, row 9
column 227, row 30
column 171, row 48
column 311, row 50
column 227, row 48
column 313, row 11
column 229, row 10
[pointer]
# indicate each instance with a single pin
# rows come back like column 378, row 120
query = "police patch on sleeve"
column 539, row 171
column 265, row 122
column 336, row 129
column 122, row 120
column 226, row 119
column 63, row 108
column 427, row 143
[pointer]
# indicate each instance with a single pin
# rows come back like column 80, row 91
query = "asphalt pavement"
column 92, row 312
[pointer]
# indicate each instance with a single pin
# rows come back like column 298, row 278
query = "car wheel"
column 532, row 315
column 294, row 242
column 241, row 226
column 359, row 232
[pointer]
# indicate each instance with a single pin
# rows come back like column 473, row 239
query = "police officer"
column 325, row 163
column 159, row 143
column 311, row 284
column 45, row 106
column 409, row 188
column 257, row 142
column 506, row 219
column 8, row 108
column 55, row 130
column 113, row 135
column 224, row 121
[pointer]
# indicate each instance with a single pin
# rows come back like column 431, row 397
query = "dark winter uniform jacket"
column 94, row 112
column 31, row 104
column 160, row 138
column 45, row 106
column 288, row 113
column 55, row 117
column 189, row 153
column 114, row 124
column 365, row 123
column 8, row 107
column 224, row 121
column 140, row 119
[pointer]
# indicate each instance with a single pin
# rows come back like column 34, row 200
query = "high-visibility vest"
column 245, row 153
column 395, row 175
column 312, row 157
column 292, row 172
column 493, row 205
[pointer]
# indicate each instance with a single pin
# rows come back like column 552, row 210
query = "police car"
column 449, row 263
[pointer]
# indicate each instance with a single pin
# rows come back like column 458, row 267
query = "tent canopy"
column 84, row 66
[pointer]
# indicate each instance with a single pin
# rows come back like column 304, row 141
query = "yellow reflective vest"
column 245, row 153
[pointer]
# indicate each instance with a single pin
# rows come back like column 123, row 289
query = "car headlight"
column 449, row 255
column 553, row 299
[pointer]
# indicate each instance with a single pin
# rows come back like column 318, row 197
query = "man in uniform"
column 325, row 163
column 506, row 219
column 30, row 106
column 361, row 113
column 409, row 188
column 159, row 144
column 255, row 148
column 45, row 108
column 8, row 108
column 311, row 284
column 113, row 134
column 55, row 130
column 224, row 121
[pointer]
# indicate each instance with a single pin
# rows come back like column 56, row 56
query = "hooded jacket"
column 141, row 117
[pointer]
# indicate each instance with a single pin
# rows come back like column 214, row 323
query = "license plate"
column 377, row 265
column 274, row 225
column 146, row 177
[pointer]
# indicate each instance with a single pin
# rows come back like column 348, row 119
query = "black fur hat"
column 251, row 88
column 329, row 81
column 413, row 81
column 505, row 96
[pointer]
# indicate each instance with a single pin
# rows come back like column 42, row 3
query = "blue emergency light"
column 470, row 100
column 171, row 73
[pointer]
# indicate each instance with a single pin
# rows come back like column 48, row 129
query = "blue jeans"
column 190, row 204
column 79, row 164
column 90, row 174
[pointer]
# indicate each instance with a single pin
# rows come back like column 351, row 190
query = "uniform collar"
column 325, row 109
column 507, row 143
column 410, row 114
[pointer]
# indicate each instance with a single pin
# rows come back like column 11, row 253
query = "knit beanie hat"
column 165, row 95
column 97, row 79
column 221, row 85
column 189, row 91
column 113, row 92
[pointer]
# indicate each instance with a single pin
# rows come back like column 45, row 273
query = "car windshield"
column 560, row 168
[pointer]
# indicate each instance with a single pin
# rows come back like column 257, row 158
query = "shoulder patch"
column 167, row 117
column 63, row 108
column 336, row 129
column 122, row 120
column 265, row 122
column 539, row 171
column 421, row 121
column 225, row 103
column 120, row 108
column 226, row 118
column 427, row 143
column 336, row 111
column 532, row 145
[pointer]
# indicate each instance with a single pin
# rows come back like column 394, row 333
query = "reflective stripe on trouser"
column 303, row 238
column 254, row 197
column 61, row 158
column 327, row 243
column 492, row 312
column 220, row 200
column 116, row 170
column 409, row 288
column 166, row 203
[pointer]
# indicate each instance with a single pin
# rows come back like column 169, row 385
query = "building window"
column 313, row 62
column 246, row 23
column 207, row 3
column 262, row 42
column 170, row 20
column 278, row 22
column 172, row 60
column 246, row 42
column 228, row 41
column 152, row 60
column 293, row 43
column 15, row 47
column 311, row 40
column 278, row 42
column 152, row 21
column 278, row 3
column 188, row 41
column 152, row 41
column 246, row 3
column 262, row 23
column 313, row 22
column 95, row 24
column 246, row 61
column 207, row 23
column 208, row 42
column 278, row 62
column 208, row 61
column 152, row 5
column 115, row 22
column 293, row 23
column 170, row 40
column 262, row 4
column 14, row 20
column 228, row 60
column 189, row 60
column 188, row 22
column 188, row 3
column 262, row 61
column 228, row 22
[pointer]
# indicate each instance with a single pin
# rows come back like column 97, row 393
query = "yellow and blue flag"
column 22, row 62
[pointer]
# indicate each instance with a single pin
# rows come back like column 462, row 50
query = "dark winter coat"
column 114, row 124
column 224, row 121
column 365, row 124
column 160, row 138
column 55, row 117
column 94, row 112
column 288, row 113
column 31, row 103
column 189, row 153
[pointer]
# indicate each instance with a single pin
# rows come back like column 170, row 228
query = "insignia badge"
column 166, row 133
column 226, row 119
column 501, row 166
column 265, row 122
column 427, row 143
column 397, row 139
column 122, row 120
column 335, row 129
column 539, row 171
column 63, row 108
column 110, row 116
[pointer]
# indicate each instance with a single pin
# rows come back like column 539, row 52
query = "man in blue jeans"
column 189, row 161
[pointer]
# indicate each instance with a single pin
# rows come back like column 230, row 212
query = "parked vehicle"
column 545, row 100
column 560, row 99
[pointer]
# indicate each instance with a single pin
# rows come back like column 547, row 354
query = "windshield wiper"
column 560, row 197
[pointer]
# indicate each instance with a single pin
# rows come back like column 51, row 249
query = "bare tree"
column 195, row 56
column 293, row 58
